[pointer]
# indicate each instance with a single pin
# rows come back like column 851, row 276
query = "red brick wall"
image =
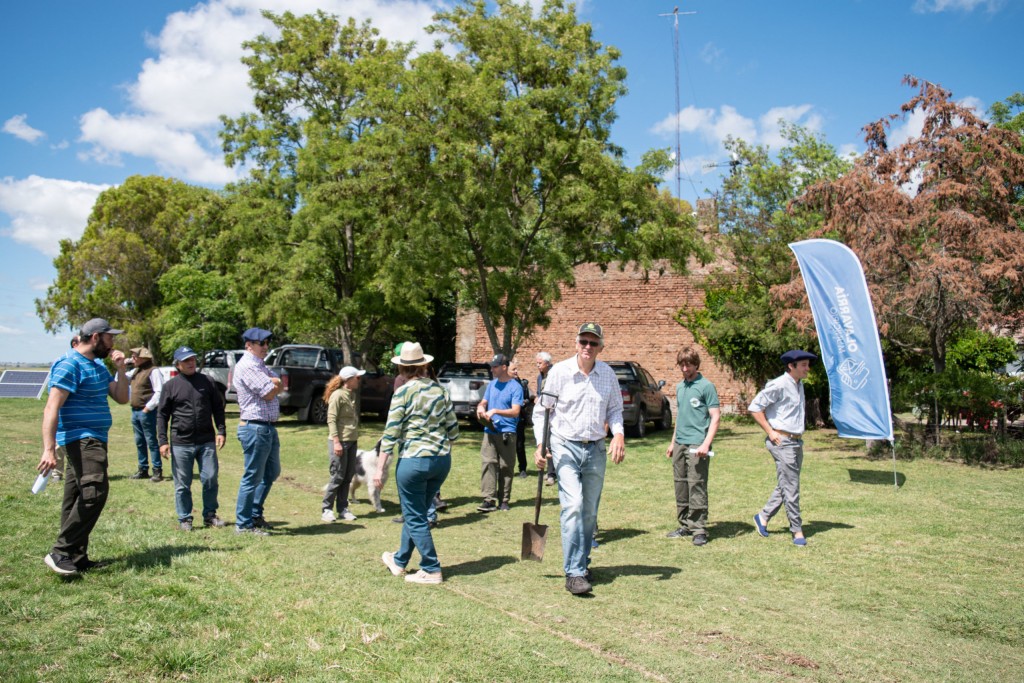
column 638, row 322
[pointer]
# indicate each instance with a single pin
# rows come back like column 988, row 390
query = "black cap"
column 498, row 360
column 98, row 325
column 797, row 355
column 591, row 328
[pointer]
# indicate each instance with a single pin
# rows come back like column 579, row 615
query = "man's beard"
column 101, row 350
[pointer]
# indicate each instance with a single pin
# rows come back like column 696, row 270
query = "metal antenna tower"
column 675, row 53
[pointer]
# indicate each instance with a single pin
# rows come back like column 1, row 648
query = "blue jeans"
column 261, row 463
column 144, row 426
column 419, row 480
column 580, row 471
column 183, row 460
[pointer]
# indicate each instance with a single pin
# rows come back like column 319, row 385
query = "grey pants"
column 498, row 459
column 789, row 458
column 343, row 468
column 691, row 480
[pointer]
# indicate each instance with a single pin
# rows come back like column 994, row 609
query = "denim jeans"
column 183, row 460
column 261, row 463
column 419, row 480
column 144, row 426
column 580, row 469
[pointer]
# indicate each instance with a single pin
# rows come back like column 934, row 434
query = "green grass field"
column 920, row 584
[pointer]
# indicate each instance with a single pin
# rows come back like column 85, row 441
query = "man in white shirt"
column 584, row 396
column 779, row 410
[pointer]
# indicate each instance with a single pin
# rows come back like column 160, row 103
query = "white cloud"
column 715, row 126
column 710, row 53
column 44, row 211
column 923, row 6
column 11, row 330
column 177, row 152
column 17, row 127
column 197, row 75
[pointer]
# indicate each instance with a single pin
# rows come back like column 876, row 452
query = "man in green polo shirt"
column 697, row 418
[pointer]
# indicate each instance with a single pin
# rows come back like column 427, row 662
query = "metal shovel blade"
column 534, row 538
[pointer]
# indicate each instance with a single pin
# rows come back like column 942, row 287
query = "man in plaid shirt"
column 257, row 387
column 584, row 395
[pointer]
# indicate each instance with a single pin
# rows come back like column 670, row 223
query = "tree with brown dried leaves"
column 935, row 223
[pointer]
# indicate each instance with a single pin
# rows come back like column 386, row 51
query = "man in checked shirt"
column 584, row 396
column 257, row 387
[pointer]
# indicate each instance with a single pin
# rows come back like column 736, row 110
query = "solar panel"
column 23, row 383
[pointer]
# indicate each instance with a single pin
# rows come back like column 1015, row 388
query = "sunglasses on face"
column 588, row 342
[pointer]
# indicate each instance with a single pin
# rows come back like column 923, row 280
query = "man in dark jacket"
column 193, row 406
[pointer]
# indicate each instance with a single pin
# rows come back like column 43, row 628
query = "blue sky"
column 92, row 93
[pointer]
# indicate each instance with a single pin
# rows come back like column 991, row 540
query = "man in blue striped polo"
column 77, row 417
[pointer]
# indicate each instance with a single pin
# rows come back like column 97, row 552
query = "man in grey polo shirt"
column 779, row 410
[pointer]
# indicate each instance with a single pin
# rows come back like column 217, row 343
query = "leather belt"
column 242, row 423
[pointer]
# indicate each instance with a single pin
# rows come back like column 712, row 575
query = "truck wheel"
column 639, row 430
column 666, row 417
column 317, row 410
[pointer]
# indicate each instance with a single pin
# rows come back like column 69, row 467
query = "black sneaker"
column 487, row 506
column 261, row 523
column 88, row 565
column 700, row 539
column 185, row 525
column 158, row 475
column 214, row 521
column 439, row 504
column 577, row 585
column 61, row 564
column 678, row 533
column 523, row 475
column 503, row 507
column 143, row 473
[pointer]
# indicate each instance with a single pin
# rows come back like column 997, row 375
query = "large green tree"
column 500, row 142
column 133, row 237
column 740, row 325
column 318, row 86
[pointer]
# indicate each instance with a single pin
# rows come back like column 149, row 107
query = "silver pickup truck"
column 465, row 384
column 217, row 365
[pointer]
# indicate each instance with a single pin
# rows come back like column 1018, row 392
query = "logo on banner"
column 853, row 373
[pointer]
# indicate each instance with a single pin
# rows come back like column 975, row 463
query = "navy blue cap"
column 256, row 334
column 797, row 355
column 183, row 353
column 498, row 360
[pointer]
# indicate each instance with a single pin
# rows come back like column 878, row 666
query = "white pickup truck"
column 465, row 384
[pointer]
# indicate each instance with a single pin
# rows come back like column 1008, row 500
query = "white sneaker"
column 328, row 516
column 348, row 516
column 389, row 561
column 424, row 577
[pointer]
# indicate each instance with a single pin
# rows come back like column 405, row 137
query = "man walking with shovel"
column 583, row 395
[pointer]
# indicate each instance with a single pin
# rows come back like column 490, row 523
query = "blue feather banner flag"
column 848, row 334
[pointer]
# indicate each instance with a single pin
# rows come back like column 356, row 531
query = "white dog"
column 366, row 466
